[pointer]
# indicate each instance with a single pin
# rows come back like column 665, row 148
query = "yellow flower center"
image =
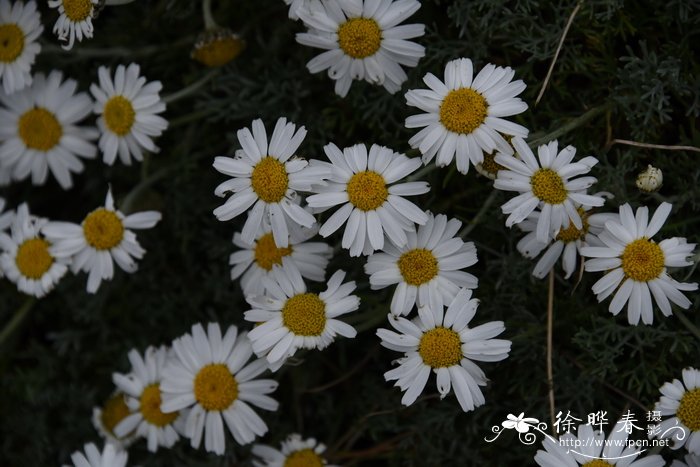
column 103, row 229
column 597, row 463
column 267, row 254
column 11, row 42
column 150, row 407
column 360, row 37
column 440, row 347
column 114, row 411
column 571, row 233
column 463, row 110
column 33, row 258
column 119, row 115
column 215, row 388
column 270, row 180
column 305, row 315
column 303, row 458
column 77, row 10
column 689, row 409
column 643, row 260
column 490, row 165
column 548, row 186
column 39, row 129
column 367, row 190
column 218, row 51
column 418, row 266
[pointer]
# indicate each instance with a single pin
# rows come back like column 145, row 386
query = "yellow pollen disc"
column 689, row 409
column 33, row 258
column 597, row 463
column 359, row 37
column 571, row 233
column 119, row 115
column 218, row 51
column 11, row 42
column 267, row 254
column 39, row 129
column 77, row 10
column 303, row 458
column 490, row 165
column 215, row 388
column 643, row 260
column 463, row 110
column 270, row 180
column 367, row 190
column 305, row 315
column 103, row 229
column 418, row 266
column 548, row 186
column 440, row 347
column 114, row 411
column 150, row 407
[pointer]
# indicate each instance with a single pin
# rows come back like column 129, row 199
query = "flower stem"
column 209, row 22
column 191, row 89
column 687, row 323
column 572, row 125
column 117, row 2
column 16, row 320
column 550, row 329
column 476, row 219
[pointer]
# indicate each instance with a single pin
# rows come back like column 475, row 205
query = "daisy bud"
column 650, row 180
column 217, row 47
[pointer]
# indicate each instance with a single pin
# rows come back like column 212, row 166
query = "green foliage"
column 637, row 61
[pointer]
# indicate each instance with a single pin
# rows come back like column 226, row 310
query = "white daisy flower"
column 296, row 5
column 546, row 184
column 442, row 342
column 301, row 259
column 636, row 265
column 690, row 460
column 20, row 27
column 26, row 257
column 39, row 132
column 5, row 174
column 428, row 269
column 372, row 204
column 74, row 21
column 568, row 241
column 142, row 388
column 294, row 452
column 111, row 456
column 6, row 217
column 464, row 115
column 127, row 108
column 362, row 40
column 267, row 177
column 293, row 318
column 108, row 416
column 681, row 400
column 209, row 374
column 593, row 450
column 104, row 237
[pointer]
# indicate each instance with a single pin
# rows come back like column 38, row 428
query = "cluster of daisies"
column 36, row 253
column 463, row 119
column 46, row 128
column 419, row 252
column 206, row 379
